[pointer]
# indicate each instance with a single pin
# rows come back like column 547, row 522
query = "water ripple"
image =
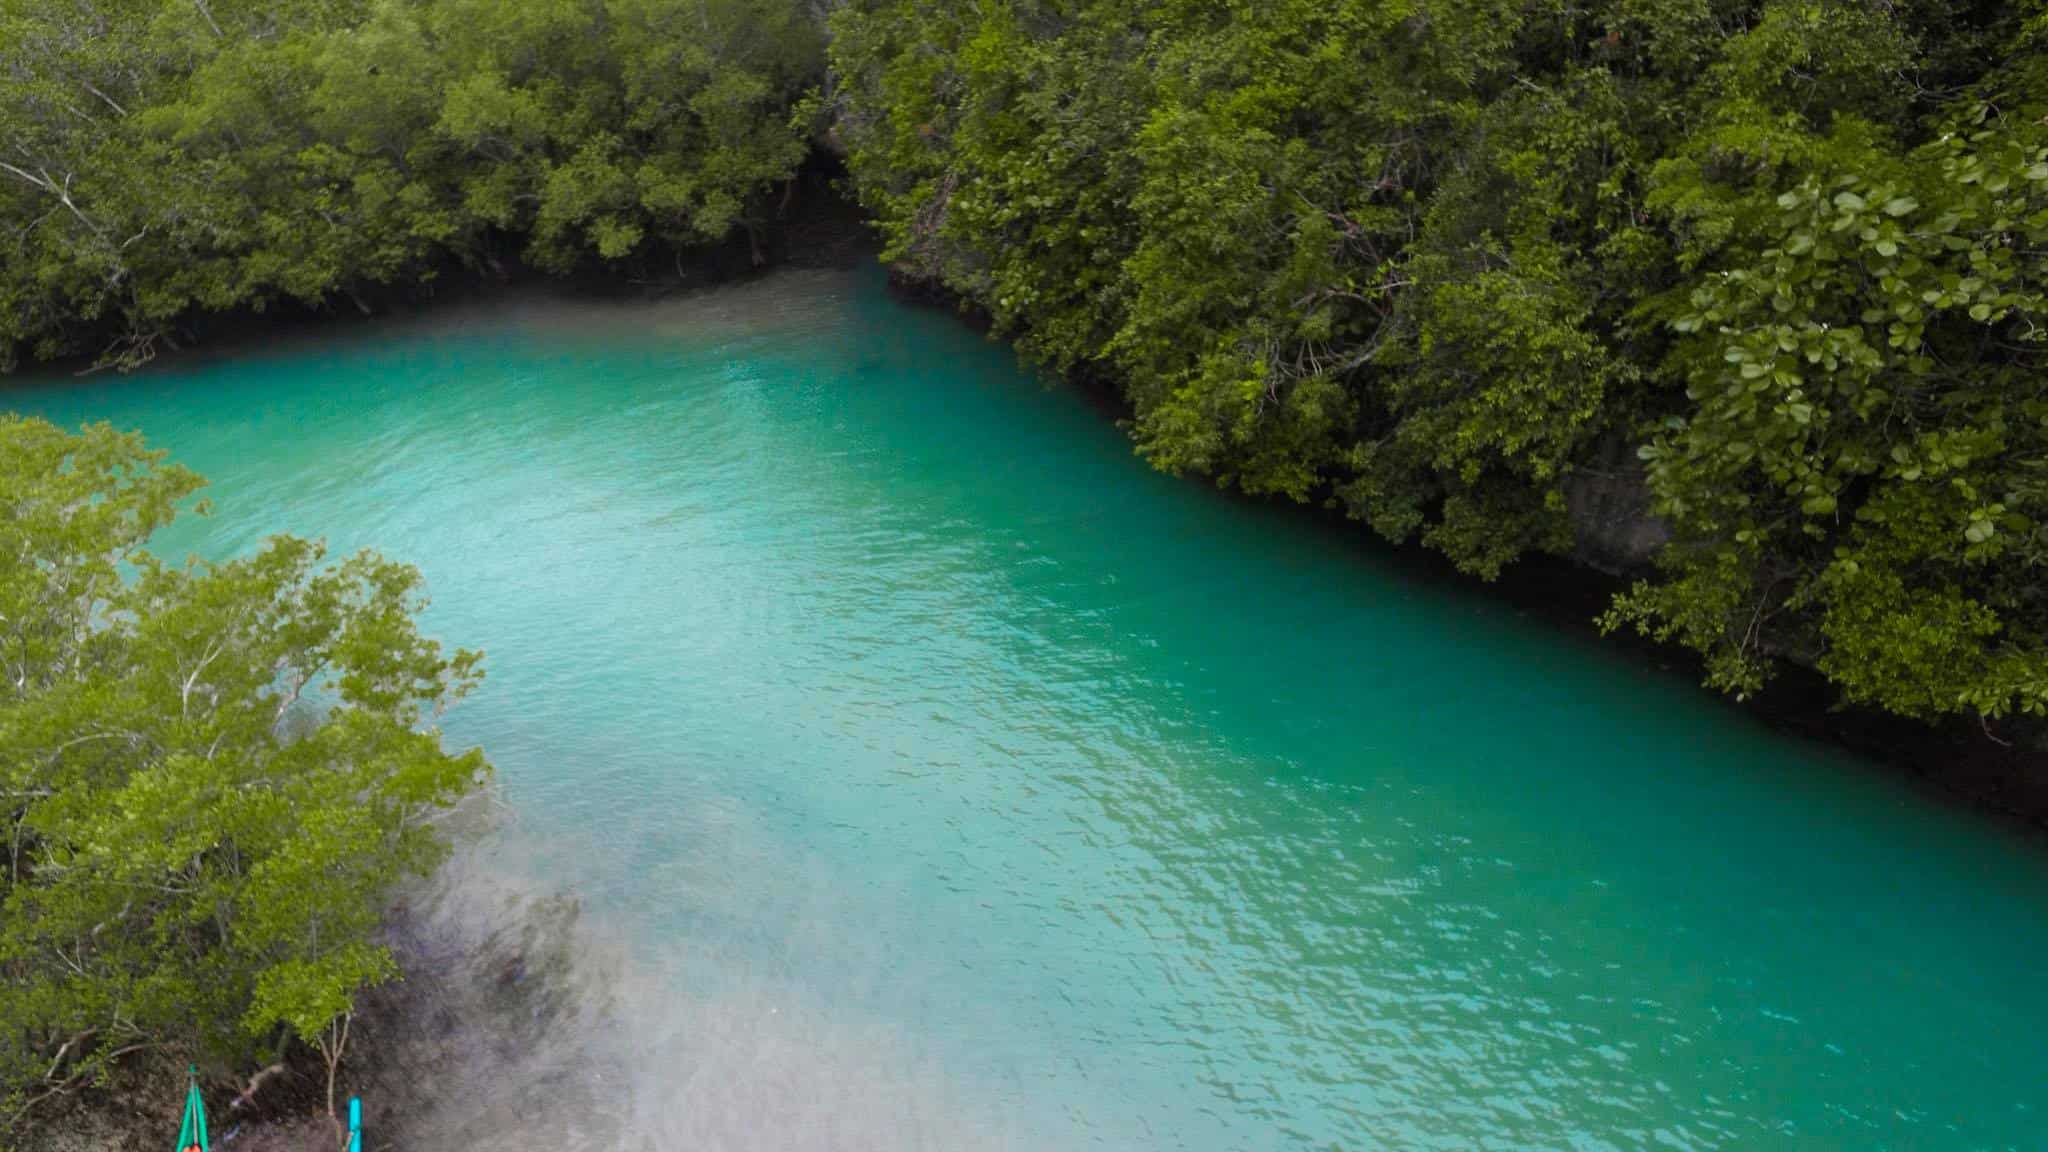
column 826, row 644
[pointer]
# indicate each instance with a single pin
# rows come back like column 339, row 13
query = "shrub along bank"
column 213, row 778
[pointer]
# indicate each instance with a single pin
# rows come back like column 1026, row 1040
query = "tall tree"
column 212, row 775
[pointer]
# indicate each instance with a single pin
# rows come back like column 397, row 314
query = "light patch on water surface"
column 528, row 1023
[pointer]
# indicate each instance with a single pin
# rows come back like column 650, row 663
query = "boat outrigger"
column 192, row 1130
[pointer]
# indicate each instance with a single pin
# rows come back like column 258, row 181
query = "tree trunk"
column 332, row 1047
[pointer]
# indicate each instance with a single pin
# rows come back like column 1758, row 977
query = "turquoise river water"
column 951, row 780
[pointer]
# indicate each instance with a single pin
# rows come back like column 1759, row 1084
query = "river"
column 961, row 782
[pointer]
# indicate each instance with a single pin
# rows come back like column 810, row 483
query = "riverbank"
column 815, row 226
column 2000, row 771
column 486, row 970
column 2001, row 776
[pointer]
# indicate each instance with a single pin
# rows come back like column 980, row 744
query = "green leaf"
column 227, row 862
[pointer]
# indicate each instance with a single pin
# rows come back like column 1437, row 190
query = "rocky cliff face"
column 1608, row 499
column 1992, row 765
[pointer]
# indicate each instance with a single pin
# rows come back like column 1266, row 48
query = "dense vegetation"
column 1447, row 266
column 212, row 775
column 1440, row 263
column 164, row 156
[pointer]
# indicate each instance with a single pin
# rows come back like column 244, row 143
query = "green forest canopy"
column 164, row 156
column 213, row 776
column 1433, row 262
column 1424, row 258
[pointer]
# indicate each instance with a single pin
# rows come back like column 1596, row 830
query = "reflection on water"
column 941, row 777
